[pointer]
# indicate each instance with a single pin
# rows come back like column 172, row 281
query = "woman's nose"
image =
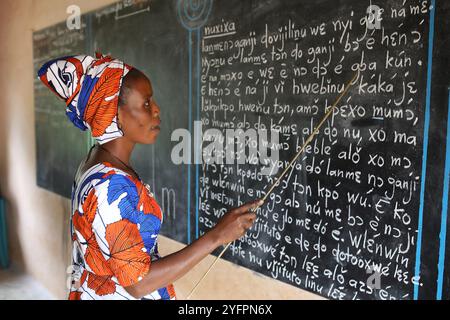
column 156, row 110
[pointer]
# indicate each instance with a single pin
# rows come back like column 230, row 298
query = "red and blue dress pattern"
column 115, row 225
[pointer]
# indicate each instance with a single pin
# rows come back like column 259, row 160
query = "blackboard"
column 362, row 214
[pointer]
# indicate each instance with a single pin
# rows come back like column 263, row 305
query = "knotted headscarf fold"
column 90, row 87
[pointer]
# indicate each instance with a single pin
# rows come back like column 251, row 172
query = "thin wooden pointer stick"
column 308, row 141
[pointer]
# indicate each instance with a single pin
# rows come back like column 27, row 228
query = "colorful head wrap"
column 90, row 86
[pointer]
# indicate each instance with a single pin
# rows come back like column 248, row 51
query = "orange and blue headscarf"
column 90, row 87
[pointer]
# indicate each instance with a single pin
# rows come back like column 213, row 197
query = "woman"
column 115, row 218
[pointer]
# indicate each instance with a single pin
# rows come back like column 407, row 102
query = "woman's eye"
column 148, row 103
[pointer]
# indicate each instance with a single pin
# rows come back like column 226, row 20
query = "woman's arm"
column 166, row 270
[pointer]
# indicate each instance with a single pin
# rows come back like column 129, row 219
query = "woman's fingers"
column 235, row 224
column 248, row 220
column 249, row 216
column 248, row 206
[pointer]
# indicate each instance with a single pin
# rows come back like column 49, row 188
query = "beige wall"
column 38, row 219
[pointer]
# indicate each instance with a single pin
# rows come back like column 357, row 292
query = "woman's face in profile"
column 139, row 115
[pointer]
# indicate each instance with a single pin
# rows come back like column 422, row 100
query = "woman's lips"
column 156, row 126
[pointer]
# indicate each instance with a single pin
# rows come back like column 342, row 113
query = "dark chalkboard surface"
column 362, row 214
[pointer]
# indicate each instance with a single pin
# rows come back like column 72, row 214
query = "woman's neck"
column 120, row 148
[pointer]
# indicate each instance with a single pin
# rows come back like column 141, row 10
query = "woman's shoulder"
column 103, row 171
column 106, row 179
column 116, row 190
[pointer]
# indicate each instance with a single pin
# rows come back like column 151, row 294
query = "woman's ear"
column 120, row 116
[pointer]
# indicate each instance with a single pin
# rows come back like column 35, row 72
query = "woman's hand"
column 236, row 222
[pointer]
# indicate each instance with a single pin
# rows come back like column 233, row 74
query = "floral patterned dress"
column 115, row 225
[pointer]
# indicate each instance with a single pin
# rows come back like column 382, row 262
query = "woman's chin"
column 151, row 139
